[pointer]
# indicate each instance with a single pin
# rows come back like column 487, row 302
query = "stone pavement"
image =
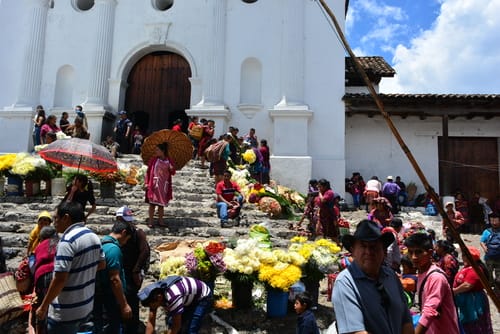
column 191, row 214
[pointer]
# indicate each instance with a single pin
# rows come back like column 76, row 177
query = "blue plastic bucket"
column 14, row 186
column 277, row 303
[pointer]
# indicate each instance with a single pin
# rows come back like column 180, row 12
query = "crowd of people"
column 82, row 281
column 45, row 127
column 421, row 290
column 399, row 278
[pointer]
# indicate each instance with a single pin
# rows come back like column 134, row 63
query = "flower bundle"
column 6, row 162
column 243, row 262
column 321, row 256
column 280, row 269
column 113, row 177
column 30, row 167
column 206, row 261
column 249, row 156
column 175, row 265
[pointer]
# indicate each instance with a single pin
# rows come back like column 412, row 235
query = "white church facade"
column 268, row 65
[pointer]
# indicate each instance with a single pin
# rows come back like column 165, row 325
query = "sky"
column 435, row 46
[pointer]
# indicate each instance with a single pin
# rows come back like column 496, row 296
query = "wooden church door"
column 158, row 91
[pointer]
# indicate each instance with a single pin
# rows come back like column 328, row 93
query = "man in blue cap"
column 185, row 299
column 122, row 129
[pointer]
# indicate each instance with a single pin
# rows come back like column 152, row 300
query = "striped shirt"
column 183, row 293
column 78, row 254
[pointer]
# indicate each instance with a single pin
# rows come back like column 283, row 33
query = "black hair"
column 313, row 182
column 73, row 209
column 419, row 240
column 263, row 142
column 396, row 222
column 227, row 171
column 163, row 147
column 121, row 225
column 447, row 247
column 305, row 299
column 52, row 135
column 151, row 296
column 324, row 183
column 81, row 177
column 406, row 261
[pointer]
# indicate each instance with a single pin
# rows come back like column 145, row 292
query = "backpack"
column 214, row 152
column 493, row 245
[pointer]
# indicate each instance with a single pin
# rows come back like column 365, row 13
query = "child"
column 158, row 183
column 306, row 322
column 312, row 192
column 138, row 138
column 44, row 219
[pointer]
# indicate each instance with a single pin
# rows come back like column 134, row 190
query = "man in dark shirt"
column 123, row 129
column 136, row 254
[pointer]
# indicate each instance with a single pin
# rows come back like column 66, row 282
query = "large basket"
column 196, row 132
column 11, row 304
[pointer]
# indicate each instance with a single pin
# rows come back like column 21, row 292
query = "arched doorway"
column 158, row 91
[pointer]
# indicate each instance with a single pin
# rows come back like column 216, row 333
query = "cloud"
column 458, row 54
column 384, row 25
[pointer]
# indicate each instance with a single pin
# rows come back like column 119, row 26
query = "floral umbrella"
column 81, row 154
column 180, row 149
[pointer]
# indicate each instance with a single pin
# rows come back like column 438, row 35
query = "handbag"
column 11, row 304
column 23, row 276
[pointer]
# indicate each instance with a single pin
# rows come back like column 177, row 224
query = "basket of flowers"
column 206, row 261
column 242, row 268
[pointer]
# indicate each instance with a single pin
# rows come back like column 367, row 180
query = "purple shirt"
column 183, row 293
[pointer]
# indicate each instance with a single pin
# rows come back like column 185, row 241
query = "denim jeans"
column 67, row 327
column 222, row 208
column 192, row 317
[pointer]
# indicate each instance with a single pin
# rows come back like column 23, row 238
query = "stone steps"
column 191, row 213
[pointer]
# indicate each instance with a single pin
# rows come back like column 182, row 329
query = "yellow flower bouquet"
column 280, row 269
column 321, row 256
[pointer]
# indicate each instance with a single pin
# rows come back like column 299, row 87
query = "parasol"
column 81, row 154
column 180, row 149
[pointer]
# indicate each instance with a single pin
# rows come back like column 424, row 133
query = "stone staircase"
column 191, row 214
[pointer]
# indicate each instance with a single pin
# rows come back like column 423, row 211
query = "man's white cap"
column 125, row 213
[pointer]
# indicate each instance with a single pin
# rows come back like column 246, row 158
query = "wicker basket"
column 11, row 304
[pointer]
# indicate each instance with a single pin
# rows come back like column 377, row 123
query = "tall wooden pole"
column 411, row 158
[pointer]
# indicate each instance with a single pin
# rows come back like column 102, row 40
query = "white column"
column 101, row 63
column 213, row 80
column 31, row 76
column 211, row 105
column 292, row 54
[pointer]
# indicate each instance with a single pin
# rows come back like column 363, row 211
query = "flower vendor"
column 185, row 299
column 228, row 198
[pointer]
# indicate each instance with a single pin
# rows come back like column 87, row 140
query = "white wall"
column 371, row 149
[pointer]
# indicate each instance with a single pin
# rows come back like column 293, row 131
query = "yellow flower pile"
column 280, row 269
column 25, row 163
column 175, row 265
column 6, row 162
column 249, row 156
column 320, row 256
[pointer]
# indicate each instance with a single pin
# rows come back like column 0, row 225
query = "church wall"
column 371, row 149
column 13, row 29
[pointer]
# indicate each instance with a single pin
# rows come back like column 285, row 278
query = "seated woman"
column 81, row 191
